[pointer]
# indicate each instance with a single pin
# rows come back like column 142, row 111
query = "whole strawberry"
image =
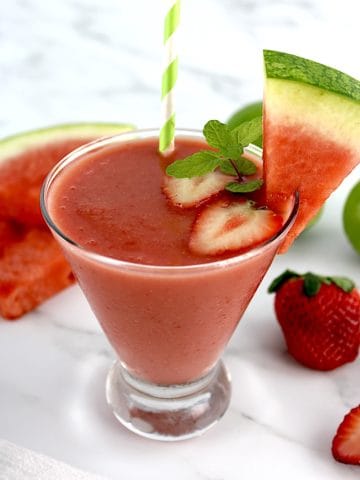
column 320, row 318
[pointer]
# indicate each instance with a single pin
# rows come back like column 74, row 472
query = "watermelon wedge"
column 32, row 270
column 26, row 159
column 311, row 133
column 9, row 233
column 32, row 266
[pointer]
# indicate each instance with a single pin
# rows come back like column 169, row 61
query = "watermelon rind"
column 311, row 132
column 14, row 145
column 287, row 66
column 305, row 93
column 329, row 114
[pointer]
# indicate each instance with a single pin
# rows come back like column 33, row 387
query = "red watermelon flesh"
column 9, row 233
column 32, row 266
column 311, row 135
column 21, row 179
column 314, row 167
column 32, row 269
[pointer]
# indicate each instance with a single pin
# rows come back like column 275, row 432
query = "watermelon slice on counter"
column 32, row 267
column 311, row 133
column 26, row 159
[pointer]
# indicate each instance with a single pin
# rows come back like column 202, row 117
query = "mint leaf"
column 243, row 167
column 246, row 167
column 244, row 187
column 247, row 132
column 344, row 283
column 200, row 163
column 312, row 284
column 229, row 145
column 281, row 279
column 217, row 134
column 227, row 168
column 232, row 151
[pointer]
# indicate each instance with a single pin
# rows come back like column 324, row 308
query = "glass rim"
column 150, row 268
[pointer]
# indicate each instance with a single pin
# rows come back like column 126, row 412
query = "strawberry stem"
column 312, row 282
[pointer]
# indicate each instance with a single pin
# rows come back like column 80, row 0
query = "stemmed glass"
column 168, row 325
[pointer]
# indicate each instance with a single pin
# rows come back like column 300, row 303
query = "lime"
column 315, row 219
column 351, row 217
column 245, row 114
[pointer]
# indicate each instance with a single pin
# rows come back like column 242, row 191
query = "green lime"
column 244, row 115
column 351, row 217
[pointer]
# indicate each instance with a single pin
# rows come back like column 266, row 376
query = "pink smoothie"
column 167, row 312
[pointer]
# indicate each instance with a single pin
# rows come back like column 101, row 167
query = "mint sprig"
column 217, row 134
column 242, row 166
column 196, row 165
column 228, row 147
column 244, row 187
column 248, row 132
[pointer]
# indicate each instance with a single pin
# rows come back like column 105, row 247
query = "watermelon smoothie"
column 167, row 312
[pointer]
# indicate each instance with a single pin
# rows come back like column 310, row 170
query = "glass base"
column 174, row 412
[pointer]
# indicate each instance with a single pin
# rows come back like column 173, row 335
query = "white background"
column 101, row 60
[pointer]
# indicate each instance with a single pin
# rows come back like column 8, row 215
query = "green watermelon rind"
column 291, row 100
column 313, row 101
column 286, row 66
column 15, row 145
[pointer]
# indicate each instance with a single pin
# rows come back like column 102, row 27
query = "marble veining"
column 76, row 60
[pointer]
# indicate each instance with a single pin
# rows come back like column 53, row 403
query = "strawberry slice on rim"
column 229, row 225
column 191, row 192
column 346, row 443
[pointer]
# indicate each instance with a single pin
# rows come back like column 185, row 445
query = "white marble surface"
column 74, row 60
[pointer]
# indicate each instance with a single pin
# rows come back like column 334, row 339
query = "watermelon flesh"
column 10, row 232
column 32, row 266
column 32, row 269
column 311, row 134
column 308, row 156
column 26, row 159
column 21, row 179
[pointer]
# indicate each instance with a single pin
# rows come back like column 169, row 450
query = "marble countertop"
column 76, row 60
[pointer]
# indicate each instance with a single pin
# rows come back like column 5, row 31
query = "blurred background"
column 76, row 60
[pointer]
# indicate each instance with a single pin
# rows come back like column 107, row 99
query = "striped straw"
column 167, row 132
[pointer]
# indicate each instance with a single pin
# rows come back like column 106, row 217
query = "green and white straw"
column 167, row 132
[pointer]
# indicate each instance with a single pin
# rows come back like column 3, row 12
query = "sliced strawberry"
column 190, row 192
column 346, row 443
column 229, row 225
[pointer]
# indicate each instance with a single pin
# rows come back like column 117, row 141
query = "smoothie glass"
column 167, row 324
